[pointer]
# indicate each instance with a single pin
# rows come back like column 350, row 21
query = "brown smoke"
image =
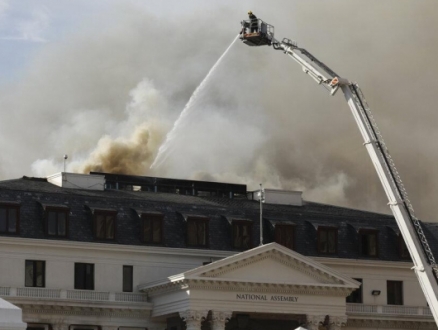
column 133, row 156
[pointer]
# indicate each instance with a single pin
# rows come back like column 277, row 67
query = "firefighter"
column 254, row 22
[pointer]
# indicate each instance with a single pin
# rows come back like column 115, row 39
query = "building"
column 106, row 252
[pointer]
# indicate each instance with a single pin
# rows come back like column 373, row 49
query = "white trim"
column 363, row 263
column 59, row 244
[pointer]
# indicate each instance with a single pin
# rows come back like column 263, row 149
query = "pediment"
column 267, row 278
column 271, row 264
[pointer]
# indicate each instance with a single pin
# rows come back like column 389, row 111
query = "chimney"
column 277, row 196
column 78, row 181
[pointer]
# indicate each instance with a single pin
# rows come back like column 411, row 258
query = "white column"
column 314, row 321
column 219, row 319
column 193, row 319
column 337, row 322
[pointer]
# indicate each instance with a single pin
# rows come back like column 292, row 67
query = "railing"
column 5, row 291
column 388, row 309
column 77, row 295
column 406, row 310
column 360, row 308
column 131, row 297
column 88, row 295
column 38, row 293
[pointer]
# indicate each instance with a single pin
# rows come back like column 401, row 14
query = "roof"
column 31, row 193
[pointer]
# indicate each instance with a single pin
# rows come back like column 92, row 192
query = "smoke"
column 108, row 96
column 132, row 146
column 122, row 156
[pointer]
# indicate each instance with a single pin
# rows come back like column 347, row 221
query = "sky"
column 105, row 82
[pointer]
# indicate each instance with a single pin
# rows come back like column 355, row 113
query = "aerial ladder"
column 410, row 227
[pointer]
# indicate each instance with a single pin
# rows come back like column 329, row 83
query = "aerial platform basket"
column 256, row 33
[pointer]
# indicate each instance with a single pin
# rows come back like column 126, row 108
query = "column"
column 314, row 321
column 219, row 319
column 193, row 319
column 336, row 322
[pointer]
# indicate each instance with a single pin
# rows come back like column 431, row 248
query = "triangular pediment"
column 271, row 264
column 269, row 268
column 269, row 277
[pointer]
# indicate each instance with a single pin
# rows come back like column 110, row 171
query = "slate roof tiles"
column 32, row 193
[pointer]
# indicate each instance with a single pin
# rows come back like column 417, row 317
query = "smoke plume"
column 108, row 96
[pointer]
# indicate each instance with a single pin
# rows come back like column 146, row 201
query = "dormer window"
column 152, row 227
column 104, row 224
column 9, row 217
column 368, row 242
column 401, row 248
column 55, row 218
column 285, row 235
column 56, row 221
column 327, row 240
column 197, row 231
column 242, row 234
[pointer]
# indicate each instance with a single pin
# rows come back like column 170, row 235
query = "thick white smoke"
column 107, row 97
column 128, row 146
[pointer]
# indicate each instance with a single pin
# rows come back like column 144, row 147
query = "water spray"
column 163, row 151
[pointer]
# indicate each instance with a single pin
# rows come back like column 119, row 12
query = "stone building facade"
column 104, row 251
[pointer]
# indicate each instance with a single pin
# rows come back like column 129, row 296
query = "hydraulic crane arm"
column 425, row 266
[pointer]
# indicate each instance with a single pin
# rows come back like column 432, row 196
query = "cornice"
column 71, row 304
column 83, row 310
column 363, row 263
column 166, row 288
column 273, row 288
column 61, row 244
column 233, row 286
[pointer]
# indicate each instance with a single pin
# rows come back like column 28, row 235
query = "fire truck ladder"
column 410, row 227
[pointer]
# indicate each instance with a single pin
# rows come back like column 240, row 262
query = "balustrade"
column 82, row 295
column 388, row 309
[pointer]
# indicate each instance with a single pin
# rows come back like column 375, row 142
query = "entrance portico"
column 268, row 287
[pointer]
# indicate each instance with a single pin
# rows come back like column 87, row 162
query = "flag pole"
column 262, row 198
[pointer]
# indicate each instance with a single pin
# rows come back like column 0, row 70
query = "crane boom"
column 425, row 266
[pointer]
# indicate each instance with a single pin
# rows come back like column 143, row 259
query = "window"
column 327, row 240
column 85, row 327
column 56, row 221
column 84, row 276
column 368, row 243
column 35, row 273
column 9, row 218
column 394, row 291
column 242, row 237
column 356, row 295
column 127, row 278
column 285, row 235
column 197, row 231
column 104, row 224
column 152, row 228
column 38, row 326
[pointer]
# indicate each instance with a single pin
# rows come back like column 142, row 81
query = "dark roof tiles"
column 306, row 218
